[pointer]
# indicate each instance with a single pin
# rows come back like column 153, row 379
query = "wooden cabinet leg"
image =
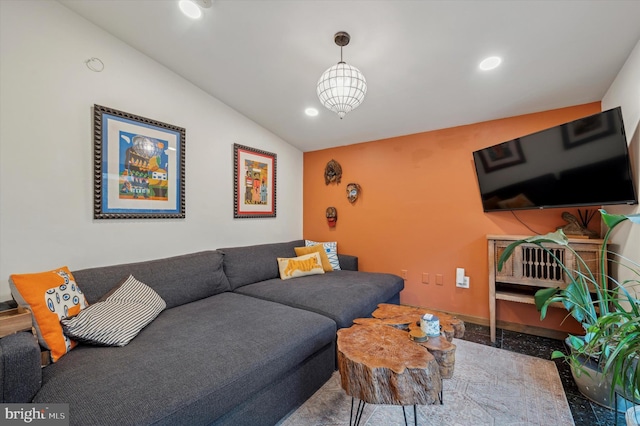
column 492, row 319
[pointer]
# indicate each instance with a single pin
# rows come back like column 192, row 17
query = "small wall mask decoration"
column 332, row 172
column 332, row 217
column 353, row 190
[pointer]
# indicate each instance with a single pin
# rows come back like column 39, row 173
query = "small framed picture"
column 503, row 155
column 138, row 167
column 254, row 183
column 586, row 130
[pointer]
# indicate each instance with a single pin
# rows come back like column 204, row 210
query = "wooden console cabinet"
column 531, row 268
column 15, row 320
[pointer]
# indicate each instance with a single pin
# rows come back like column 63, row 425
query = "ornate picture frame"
column 254, row 182
column 139, row 167
column 586, row 130
column 503, row 155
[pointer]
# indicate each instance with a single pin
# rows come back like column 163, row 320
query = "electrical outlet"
column 439, row 279
column 464, row 283
column 425, row 278
column 403, row 274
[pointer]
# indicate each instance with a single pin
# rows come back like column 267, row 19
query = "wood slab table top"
column 408, row 316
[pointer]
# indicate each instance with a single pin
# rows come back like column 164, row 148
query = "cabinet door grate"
column 538, row 263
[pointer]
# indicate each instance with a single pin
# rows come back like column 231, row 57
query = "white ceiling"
column 264, row 57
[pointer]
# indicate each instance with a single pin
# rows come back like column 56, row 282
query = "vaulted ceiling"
column 420, row 58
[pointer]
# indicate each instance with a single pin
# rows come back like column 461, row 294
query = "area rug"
column 489, row 387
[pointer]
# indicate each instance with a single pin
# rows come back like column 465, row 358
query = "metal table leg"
column 359, row 410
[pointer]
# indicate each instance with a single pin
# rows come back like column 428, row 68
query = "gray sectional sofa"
column 236, row 345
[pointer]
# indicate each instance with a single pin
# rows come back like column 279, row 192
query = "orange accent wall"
column 420, row 211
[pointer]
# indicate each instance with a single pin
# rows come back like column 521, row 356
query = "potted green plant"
column 615, row 336
column 603, row 358
column 616, row 339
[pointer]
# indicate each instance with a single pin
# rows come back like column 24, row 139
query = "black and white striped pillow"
column 117, row 318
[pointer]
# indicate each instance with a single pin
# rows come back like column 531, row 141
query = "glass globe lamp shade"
column 341, row 88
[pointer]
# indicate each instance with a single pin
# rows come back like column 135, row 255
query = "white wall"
column 625, row 92
column 46, row 150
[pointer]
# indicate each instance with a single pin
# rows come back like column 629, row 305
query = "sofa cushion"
column 116, row 318
column 191, row 365
column 294, row 267
column 340, row 295
column 20, row 372
column 251, row 264
column 178, row 280
column 348, row 262
column 50, row 296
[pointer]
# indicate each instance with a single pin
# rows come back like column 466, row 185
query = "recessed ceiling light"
column 311, row 112
column 490, row 63
column 190, row 9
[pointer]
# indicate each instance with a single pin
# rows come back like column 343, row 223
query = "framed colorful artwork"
column 503, row 155
column 138, row 167
column 254, row 183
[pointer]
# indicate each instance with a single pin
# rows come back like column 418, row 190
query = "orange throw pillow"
column 326, row 265
column 50, row 296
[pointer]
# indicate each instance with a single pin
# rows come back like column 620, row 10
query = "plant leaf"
column 543, row 295
column 508, row 251
column 611, row 220
column 556, row 237
column 576, row 342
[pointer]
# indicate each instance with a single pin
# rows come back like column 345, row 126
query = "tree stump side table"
column 379, row 364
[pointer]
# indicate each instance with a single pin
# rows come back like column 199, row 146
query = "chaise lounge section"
column 236, row 345
column 341, row 295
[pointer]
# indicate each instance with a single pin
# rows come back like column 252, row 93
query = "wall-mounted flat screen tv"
column 581, row 163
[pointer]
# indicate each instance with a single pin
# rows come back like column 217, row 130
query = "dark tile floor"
column 585, row 412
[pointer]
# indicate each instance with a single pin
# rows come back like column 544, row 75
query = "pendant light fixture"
column 342, row 87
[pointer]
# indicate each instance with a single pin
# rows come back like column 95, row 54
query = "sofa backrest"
column 251, row 264
column 178, row 280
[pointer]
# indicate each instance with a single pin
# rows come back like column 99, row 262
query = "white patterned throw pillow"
column 117, row 317
column 332, row 252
